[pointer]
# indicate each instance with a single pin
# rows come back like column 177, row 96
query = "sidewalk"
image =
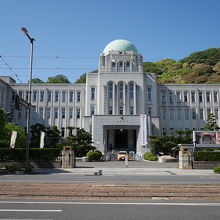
column 128, row 171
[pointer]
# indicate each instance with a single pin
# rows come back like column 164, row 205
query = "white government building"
column 111, row 101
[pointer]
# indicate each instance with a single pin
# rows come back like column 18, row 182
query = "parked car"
column 121, row 155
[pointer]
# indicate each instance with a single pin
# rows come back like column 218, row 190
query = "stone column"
column 113, row 99
column 124, row 98
column 135, row 99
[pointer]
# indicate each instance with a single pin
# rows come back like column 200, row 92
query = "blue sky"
column 70, row 34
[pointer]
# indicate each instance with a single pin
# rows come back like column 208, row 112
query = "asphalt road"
column 108, row 210
column 111, row 178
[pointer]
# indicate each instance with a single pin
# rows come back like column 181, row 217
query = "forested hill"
column 199, row 67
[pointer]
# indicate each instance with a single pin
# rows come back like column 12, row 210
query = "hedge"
column 207, row 156
column 36, row 154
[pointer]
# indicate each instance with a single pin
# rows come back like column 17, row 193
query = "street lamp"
column 29, row 98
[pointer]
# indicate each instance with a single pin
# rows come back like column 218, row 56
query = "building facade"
column 111, row 101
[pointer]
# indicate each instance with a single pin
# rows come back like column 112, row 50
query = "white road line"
column 28, row 210
column 114, row 203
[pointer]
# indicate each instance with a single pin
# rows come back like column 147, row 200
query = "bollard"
column 126, row 161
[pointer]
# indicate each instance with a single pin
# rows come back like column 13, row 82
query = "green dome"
column 120, row 45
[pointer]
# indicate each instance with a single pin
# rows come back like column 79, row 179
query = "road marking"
column 111, row 203
column 28, row 210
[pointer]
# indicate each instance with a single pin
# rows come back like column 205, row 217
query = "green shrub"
column 147, row 155
column 207, row 156
column 216, row 169
column 94, row 155
column 153, row 158
column 12, row 167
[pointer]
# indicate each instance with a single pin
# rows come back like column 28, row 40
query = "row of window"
column 48, row 96
column 57, row 95
column 187, row 96
column 186, row 116
column 120, row 66
column 56, row 112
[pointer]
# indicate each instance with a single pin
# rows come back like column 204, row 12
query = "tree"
column 35, row 134
column 52, row 137
column 3, row 132
column 82, row 78
column 81, row 142
column 21, row 136
column 210, row 56
column 211, row 123
column 58, row 79
column 37, row 80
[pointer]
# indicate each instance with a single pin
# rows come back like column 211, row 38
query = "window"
column 171, row 114
column 121, row 110
column 63, row 96
column 171, row 131
column 131, row 91
column 171, row 97
column 208, row 97
column 164, row 114
column 20, row 93
column 41, row 96
column 26, row 95
column 178, row 96
column 178, row 114
column 120, row 66
column 186, row 114
column 200, row 96
column 49, row 96
column 149, row 110
column 55, row 112
column 19, row 112
column 48, row 113
column 63, row 132
column 193, row 97
column 41, row 112
column 200, row 113
column 127, row 66
column 193, row 113
column 163, row 95
column 92, row 110
column 131, row 110
column 71, row 96
column 121, row 91
column 77, row 113
column 63, row 113
column 56, row 96
column 113, row 66
column 216, row 113
column 208, row 112
column 110, row 110
column 110, row 88
column 92, row 93
column 78, row 96
column 149, row 94
column 13, row 96
column 164, row 131
column 34, row 99
column 215, row 97
column 185, row 97
column 70, row 113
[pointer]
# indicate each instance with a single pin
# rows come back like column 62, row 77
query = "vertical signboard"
column 143, row 129
column 217, row 137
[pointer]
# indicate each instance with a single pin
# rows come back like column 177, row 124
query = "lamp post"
column 29, row 98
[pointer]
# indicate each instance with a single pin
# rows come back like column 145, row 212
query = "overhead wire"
column 10, row 69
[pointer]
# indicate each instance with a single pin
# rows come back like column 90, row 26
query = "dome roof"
column 120, row 45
